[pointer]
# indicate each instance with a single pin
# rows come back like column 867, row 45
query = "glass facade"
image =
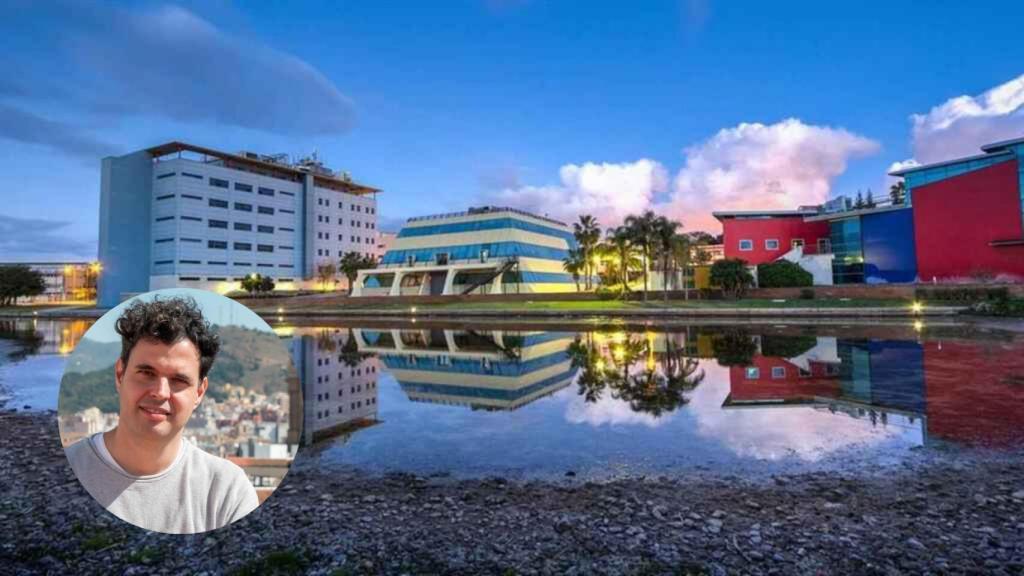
column 929, row 175
column 848, row 262
column 481, row 225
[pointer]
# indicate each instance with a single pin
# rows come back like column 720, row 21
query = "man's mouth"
column 155, row 414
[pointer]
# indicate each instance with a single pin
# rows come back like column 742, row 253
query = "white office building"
column 183, row 215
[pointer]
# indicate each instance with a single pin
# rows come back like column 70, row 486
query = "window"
column 286, row 247
column 778, row 372
column 191, row 196
column 265, row 229
column 190, row 175
column 195, row 218
column 339, row 204
column 753, row 373
column 240, row 264
column 218, row 203
column 243, row 246
column 746, row 245
column 283, row 193
column 286, row 211
column 319, row 201
column 243, row 206
column 162, row 240
column 164, row 218
column 218, row 223
column 188, row 262
column 159, row 262
column 165, row 197
column 441, row 258
column 824, row 246
column 283, row 229
column 218, row 183
column 264, row 248
column 796, row 243
column 266, row 210
column 192, row 240
column 265, row 265
column 243, row 226
column 243, row 187
column 168, row 175
column 217, row 244
column 771, row 244
column 266, row 191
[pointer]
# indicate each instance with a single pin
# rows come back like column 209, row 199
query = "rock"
column 915, row 543
column 1018, row 495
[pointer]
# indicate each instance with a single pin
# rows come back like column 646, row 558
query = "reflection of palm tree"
column 583, row 355
column 350, row 354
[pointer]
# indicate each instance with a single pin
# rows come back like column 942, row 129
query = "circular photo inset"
column 180, row 411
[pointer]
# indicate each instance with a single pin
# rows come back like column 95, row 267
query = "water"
column 472, row 401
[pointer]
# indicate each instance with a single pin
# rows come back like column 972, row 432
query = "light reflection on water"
column 471, row 402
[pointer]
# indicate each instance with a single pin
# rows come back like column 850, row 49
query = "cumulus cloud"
column 757, row 166
column 749, row 166
column 169, row 62
column 610, row 411
column 26, row 239
column 960, row 125
column 608, row 191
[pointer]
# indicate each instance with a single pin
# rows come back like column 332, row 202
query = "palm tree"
column 326, row 271
column 620, row 243
column 665, row 237
column 679, row 253
column 575, row 263
column 587, row 233
column 641, row 230
column 351, row 263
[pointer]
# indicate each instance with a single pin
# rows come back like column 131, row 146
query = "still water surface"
column 474, row 401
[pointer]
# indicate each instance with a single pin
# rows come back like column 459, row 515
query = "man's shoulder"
column 80, row 450
column 215, row 466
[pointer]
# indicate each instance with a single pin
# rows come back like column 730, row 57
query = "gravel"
column 930, row 516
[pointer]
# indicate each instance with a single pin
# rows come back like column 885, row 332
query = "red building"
column 764, row 236
column 969, row 214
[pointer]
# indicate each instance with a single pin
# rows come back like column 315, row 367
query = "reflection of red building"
column 770, row 379
column 975, row 391
column 760, row 237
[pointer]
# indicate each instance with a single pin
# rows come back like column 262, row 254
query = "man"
column 144, row 471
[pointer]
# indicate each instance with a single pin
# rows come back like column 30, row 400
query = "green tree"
column 266, row 285
column 588, row 234
column 251, row 283
column 326, row 271
column 666, row 237
column 620, row 246
column 783, row 274
column 575, row 263
column 641, row 230
column 732, row 276
column 351, row 263
column 18, row 281
column 898, row 193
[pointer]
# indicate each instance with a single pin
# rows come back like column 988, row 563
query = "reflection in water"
column 480, row 401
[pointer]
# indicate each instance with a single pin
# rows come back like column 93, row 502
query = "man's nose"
column 161, row 389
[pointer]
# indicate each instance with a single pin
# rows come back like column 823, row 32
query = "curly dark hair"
column 168, row 321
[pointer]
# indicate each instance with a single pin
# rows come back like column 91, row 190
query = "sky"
column 561, row 108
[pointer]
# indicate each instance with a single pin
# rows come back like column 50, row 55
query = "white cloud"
column 608, row 191
column 959, row 126
column 610, row 411
column 749, row 166
column 757, row 166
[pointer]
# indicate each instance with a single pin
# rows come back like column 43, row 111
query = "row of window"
column 222, row 183
column 352, row 390
column 223, row 224
column 354, row 223
column 353, row 406
column 779, row 372
column 351, row 207
column 222, row 245
column 356, row 239
column 746, row 245
column 223, row 263
column 242, row 206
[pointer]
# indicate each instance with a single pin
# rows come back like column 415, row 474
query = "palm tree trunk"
column 665, row 278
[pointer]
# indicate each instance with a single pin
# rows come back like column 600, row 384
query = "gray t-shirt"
column 198, row 492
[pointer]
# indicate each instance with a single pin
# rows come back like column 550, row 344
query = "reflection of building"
column 57, row 336
column 966, row 391
column 64, row 281
column 183, row 215
column 339, row 383
column 491, row 370
column 486, row 250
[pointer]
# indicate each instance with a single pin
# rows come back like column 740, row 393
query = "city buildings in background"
column 960, row 219
column 64, row 281
column 485, row 250
column 183, row 215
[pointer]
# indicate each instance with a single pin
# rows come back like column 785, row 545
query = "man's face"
column 159, row 388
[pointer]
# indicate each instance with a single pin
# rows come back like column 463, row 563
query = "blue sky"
column 558, row 107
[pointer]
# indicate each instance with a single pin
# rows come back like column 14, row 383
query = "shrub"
column 966, row 294
column 607, row 293
column 783, row 274
column 732, row 276
column 806, row 294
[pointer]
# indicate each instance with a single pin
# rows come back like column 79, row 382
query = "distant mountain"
column 260, row 361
